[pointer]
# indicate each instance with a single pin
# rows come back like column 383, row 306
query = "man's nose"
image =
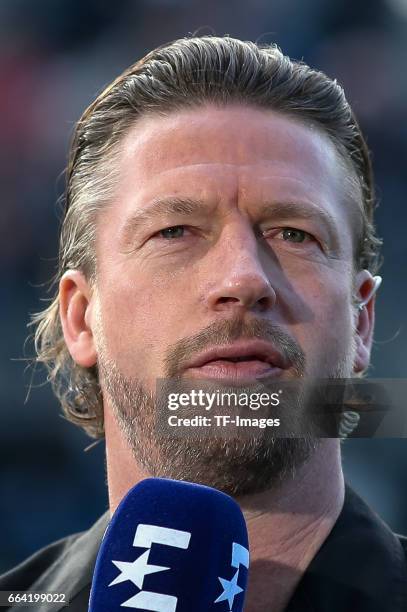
column 241, row 279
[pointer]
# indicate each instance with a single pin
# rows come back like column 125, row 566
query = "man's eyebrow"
column 304, row 210
column 159, row 208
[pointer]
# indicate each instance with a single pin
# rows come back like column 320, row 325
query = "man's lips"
column 244, row 359
column 242, row 370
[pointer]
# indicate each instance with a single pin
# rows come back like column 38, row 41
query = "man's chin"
column 234, row 466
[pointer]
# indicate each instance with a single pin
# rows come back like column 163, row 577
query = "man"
column 219, row 207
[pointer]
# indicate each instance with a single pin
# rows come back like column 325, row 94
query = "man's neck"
column 287, row 527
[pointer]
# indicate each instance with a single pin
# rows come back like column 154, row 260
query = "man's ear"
column 75, row 311
column 365, row 288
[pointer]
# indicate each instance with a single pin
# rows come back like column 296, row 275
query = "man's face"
column 264, row 251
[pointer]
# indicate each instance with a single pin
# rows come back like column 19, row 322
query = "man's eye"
column 290, row 234
column 175, row 231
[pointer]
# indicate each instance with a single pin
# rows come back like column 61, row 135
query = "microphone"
column 172, row 546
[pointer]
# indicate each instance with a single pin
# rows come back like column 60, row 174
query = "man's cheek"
column 126, row 328
column 330, row 327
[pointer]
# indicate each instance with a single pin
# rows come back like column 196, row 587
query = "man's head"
column 216, row 191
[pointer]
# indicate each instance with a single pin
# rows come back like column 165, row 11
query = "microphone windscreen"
column 172, row 546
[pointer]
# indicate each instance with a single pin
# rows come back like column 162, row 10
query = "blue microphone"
column 172, row 546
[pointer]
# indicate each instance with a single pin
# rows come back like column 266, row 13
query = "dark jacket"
column 361, row 567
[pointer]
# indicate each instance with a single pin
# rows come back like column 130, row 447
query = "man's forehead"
column 233, row 135
column 221, row 153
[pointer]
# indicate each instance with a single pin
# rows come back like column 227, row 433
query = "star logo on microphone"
column 240, row 556
column 137, row 570
column 230, row 590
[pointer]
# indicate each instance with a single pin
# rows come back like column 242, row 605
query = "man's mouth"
column 239, row 361
column 239, row 369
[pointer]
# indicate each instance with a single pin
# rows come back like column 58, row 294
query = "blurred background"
column 54, row 58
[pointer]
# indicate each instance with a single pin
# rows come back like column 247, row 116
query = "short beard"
column 237, row 466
